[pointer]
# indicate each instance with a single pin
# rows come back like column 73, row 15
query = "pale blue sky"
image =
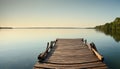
column 77, row 13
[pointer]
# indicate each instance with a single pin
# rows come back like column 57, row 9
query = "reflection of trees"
column 116, row 35
column 113, row 33
column 112, row 29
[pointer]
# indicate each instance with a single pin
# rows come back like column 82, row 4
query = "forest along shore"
column 112, row 29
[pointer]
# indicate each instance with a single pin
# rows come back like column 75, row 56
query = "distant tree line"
column 115, row 25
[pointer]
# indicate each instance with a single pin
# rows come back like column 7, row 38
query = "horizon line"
column 46, row 27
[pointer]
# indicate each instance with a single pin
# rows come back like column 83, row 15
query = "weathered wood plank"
column 71, row 54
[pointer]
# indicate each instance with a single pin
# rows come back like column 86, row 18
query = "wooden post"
column 95, row 51
column 51, row 44
column 93, row 46
column 82, row 39
column 100, row 57
column 85, row 42
column 47, row 45
column 41, row 56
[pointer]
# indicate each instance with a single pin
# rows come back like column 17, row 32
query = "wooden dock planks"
column 71, row 54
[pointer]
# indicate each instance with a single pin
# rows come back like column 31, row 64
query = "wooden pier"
column 70, row 54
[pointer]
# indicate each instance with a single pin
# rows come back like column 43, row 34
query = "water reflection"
column 113, row 33
column 19, row 48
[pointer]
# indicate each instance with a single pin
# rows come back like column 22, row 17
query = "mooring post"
column 94, row 49
column 93, row 46
column 82, row 39
column 47, row 49
column 51, row 44
column 85, row 42
column 47, row 45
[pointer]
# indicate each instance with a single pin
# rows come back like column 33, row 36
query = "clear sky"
column 76, row 13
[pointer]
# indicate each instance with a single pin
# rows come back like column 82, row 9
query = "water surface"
column 19, row 48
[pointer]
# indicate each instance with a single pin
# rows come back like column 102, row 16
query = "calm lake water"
column 19, row 48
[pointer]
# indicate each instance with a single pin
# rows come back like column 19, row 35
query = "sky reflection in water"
column 19, row 48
